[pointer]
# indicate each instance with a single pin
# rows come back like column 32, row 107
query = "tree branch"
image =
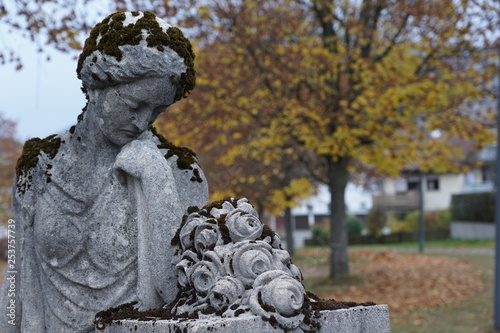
column 424, row 62
column 324, row 14
column 370, row 15
column 393, row 40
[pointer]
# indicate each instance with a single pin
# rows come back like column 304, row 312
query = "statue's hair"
column 128, row 46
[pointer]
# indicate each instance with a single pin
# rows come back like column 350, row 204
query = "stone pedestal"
column 371, row 319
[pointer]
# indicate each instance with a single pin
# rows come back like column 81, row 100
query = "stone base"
column 371, row 319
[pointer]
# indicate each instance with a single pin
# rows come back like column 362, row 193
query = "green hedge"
column 473, row 207
column 398, row 237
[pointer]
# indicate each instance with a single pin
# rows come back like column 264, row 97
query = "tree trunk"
column 289, row 226
column 338, row 176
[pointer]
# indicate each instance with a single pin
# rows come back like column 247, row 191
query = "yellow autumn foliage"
column 290, row 93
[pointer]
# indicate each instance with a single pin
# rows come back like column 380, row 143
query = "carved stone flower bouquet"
column 228, row 264
column 231, row 265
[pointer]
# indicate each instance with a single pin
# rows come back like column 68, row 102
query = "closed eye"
column 131, row 104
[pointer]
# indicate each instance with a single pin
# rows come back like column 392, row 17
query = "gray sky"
column 44, row 97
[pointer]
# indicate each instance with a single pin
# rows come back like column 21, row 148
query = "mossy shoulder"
column 186, row 157
column 111, row 33
column 29, row 157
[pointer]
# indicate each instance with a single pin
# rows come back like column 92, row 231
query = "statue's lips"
column 131, row 132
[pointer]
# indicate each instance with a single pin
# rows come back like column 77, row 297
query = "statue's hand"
column 140, row 159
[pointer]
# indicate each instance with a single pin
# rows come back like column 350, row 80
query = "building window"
column 486, row 173
column 432, row 183
column 376, row 186
column 413, row 183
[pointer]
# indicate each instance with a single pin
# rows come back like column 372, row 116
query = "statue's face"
column 127, row 110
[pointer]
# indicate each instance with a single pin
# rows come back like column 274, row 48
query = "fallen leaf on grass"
column 407, row 282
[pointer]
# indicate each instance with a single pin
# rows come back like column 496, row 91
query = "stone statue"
column 234, row 276
column 96, row 208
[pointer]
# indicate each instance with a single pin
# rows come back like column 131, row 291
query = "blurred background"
column 363, row 131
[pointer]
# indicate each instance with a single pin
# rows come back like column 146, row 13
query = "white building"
column 358, row 202
column 402, row 194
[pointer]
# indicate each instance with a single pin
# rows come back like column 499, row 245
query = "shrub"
column 411, row 220
column 442, row 220
column 354, row 226
column 376, row 220
column 320, row 236
column 394, row 223
column 432, row 220
column 473, row 207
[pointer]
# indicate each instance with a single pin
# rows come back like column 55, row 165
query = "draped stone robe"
column 77, row 254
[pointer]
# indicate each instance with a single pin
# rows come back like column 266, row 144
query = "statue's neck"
column 90, row 143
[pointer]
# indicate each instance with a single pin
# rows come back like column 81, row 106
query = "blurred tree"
column 327, row 85
column 10, row 149
column 379, row 84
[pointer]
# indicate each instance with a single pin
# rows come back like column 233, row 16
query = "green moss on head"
column 113, row 34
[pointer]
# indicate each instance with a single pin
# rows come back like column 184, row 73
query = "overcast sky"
column 43, row 97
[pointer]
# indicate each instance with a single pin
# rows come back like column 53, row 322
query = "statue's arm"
column 162, row 193
column 190, row 193
column 152, row 186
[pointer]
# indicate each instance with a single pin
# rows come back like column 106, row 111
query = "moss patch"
column 114, row 34
column 320, row 304
column 311, row 309
column 29, row 158
column 186, row 156
column 205, row 211
column 196, row 176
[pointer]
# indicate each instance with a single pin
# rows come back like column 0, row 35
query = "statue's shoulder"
column 33, row 170
column 190, row 179
column 35, row 161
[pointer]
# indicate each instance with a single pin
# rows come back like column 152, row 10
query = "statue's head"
column 133, row 66
column 129, row 46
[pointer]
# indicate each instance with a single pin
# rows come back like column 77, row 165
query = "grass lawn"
column 448, row 243
column 475, row 314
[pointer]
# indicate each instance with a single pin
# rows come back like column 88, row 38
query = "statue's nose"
column 143, row 119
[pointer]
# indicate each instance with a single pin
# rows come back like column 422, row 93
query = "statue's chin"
column 121, row 138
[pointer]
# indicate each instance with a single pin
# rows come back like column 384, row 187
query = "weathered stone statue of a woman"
column 95, row 208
